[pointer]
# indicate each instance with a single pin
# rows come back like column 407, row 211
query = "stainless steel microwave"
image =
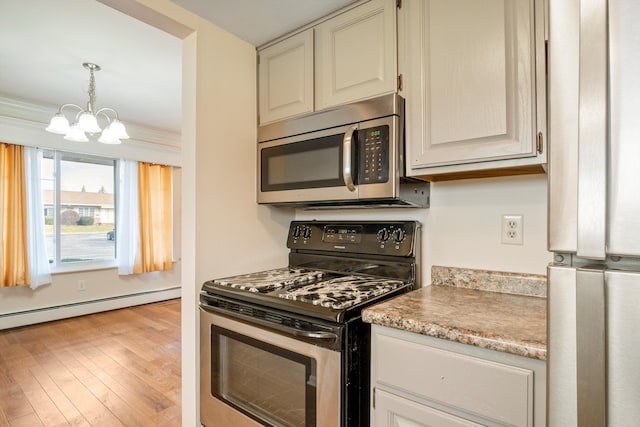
column 347, row 156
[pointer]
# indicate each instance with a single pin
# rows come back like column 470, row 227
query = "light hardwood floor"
column 117, row 368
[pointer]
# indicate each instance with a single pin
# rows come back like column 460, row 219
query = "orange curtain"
column 14, row 264
column 156, row 219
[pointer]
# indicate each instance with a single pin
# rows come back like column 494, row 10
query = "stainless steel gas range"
column 287, row 347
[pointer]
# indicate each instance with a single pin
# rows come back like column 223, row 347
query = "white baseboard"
column 48, row 314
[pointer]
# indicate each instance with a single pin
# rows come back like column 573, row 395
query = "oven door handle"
column 331, row 337
column 319, row 335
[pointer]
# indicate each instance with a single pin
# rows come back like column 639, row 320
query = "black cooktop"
column 335, row 269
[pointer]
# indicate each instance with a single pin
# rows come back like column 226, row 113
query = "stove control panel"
column 342, row 234
column 367, row 237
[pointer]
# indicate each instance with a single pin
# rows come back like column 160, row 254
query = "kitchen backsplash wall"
column 463, row 225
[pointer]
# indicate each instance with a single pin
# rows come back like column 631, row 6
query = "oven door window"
column 314, row 163
column 272, row 385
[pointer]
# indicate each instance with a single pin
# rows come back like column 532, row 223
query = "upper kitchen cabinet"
column 347, row 56
column 356, row 54
column 474, row 84
column 285, row 74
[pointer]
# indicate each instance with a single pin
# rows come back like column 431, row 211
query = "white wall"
column 224, row 230
column 462, row 226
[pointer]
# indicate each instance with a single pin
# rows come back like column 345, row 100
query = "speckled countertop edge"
column 491, row 281
column 507, row 322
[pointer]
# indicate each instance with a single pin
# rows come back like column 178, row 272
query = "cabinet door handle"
column 347, row 161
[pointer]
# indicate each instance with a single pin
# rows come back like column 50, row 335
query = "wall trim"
column 48, row 314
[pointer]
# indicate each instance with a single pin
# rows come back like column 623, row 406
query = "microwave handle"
column 347, row 161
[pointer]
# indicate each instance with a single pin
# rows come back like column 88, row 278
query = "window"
column 86, row 211
column 80, row 204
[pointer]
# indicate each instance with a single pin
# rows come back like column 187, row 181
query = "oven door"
column 251, row 376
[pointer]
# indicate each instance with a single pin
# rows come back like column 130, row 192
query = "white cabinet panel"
column 419, row 380
column 469, row 71
column 285, row 75
column 356, row 54
column 468, row 75
column 395, row 411
column 492, row 390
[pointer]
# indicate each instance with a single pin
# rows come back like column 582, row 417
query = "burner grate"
column 342, row 292
column 267, row 281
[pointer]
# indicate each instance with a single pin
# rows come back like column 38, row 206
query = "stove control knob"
column 296, row 232
column 306, row 232
column 399, row 235
column 383, row 235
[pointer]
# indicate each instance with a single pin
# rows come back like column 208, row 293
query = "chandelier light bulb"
column 87, row 118
column 58, row 124
column 109, row 137
column 87, row 122
column 118, row 129
column 76, row 134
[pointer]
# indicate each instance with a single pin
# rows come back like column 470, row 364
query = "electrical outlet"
column 512, row 231
column 81, row 285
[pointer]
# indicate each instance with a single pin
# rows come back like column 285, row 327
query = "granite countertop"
column 463, row 305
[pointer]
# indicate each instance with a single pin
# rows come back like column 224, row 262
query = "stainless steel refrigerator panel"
column 563, row 69
column 624, row 96
column 561, row 338
column 591, row 347
column 592, row 137
column 623, row 339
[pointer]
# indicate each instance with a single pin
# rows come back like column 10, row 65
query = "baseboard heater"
column 47, row 314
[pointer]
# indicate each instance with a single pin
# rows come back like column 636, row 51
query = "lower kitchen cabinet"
column 392, row 410
column 419, row 380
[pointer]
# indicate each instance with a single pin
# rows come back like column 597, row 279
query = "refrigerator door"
column 576, row 363
column 623, row 343
column 578, row 127
column 561, row 339
column 563, row 100
column 624, row 151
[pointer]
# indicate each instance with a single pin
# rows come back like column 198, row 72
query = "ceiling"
column 268, row 19
column 44, row 44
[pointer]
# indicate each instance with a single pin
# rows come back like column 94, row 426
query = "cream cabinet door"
column 395, row 411
column 285, row 78
column 356, row 54
column 469, row 70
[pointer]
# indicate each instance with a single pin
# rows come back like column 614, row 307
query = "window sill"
column 84, row 266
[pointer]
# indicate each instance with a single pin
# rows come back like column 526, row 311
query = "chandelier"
column 86, row 120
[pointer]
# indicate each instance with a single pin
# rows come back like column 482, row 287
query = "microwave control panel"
column 373, row 155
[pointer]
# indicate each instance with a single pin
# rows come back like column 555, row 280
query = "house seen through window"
column 78, row 193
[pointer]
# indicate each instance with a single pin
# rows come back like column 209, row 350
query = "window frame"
column 57, row 266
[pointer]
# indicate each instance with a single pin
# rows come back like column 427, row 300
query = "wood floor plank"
column 29, row 420
column 107, row 370
column 90, row 407
column 117, row 368
column 15, row 405
column 4, row 422
column 63, row 404
column 45, row 408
